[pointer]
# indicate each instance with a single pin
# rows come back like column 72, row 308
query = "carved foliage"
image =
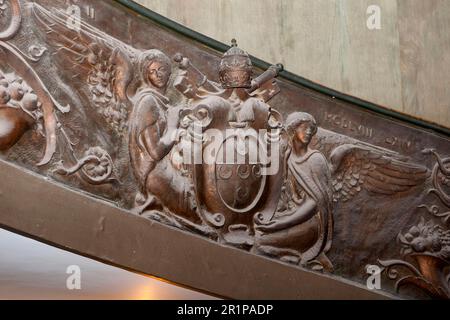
column 427, row 244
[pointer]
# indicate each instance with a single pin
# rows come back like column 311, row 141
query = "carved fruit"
column 16, row 91
column 4, row 96
column 30, row 102
column 13, row 124
column 409, row 237
column 414, row 231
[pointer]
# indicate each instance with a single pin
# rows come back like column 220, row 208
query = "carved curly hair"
column 297, row 118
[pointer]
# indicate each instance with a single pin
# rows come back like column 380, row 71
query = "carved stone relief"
column 228, row 160
column 427, row 244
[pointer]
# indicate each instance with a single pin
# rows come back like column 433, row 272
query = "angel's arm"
column 301, row 214
column 190, row 79
column 158, row 144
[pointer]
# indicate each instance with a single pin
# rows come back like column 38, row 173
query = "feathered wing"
column 105, row 64
column 357, row 167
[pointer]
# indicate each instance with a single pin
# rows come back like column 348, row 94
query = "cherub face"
column 158, row 74
column 304, row 132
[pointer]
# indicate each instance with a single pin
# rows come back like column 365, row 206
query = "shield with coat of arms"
column 240, row 183
column 234, row 185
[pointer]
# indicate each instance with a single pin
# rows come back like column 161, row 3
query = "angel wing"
column 358, row 166
column 103, row 63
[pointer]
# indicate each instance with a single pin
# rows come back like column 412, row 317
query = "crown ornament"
column 236, row 68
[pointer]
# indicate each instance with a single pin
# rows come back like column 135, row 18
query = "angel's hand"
column 267, row 227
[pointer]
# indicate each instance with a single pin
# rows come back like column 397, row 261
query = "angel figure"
column 153, row 134
column 301, row 231
column 305, row 226
column 134, row 108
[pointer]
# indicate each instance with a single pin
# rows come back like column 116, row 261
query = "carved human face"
column 158, row 74
column 304, row 132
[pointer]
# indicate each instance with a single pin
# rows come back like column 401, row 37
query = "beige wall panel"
column 425, row 58
column 327, row 41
